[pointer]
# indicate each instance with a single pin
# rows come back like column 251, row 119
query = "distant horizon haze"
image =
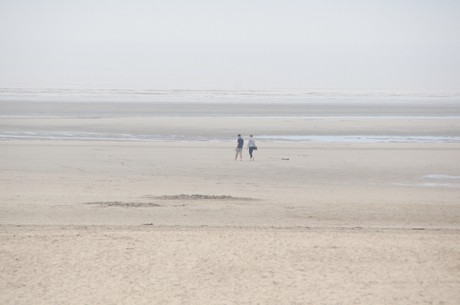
column 357, row 45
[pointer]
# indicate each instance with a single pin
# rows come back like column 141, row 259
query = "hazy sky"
column 243, row 44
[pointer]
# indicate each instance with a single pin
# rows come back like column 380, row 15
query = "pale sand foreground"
column 100, row 223
column 190, row 265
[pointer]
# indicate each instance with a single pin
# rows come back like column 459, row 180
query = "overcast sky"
column 235, row 44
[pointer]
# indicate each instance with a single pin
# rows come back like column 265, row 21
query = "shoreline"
column 226, row 128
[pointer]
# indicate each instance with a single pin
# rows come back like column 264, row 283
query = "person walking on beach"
column 251, row 146
column 239, row 147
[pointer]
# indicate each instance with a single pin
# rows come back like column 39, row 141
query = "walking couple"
column 239, row 147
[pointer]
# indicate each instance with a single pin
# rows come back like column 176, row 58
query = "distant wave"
column 146, row 95
column 88, row 136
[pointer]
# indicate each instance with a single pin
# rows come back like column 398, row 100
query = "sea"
column 94, row 114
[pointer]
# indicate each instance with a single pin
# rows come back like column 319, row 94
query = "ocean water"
column 436, row 181
column 223, row 96
column 94, row 114
column 364, row 139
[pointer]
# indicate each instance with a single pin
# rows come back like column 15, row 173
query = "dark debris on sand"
column 125, row 204
column 200, row 197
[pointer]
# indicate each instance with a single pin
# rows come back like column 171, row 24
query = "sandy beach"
column 86, row 222
column 119, row 123
column 231, row 265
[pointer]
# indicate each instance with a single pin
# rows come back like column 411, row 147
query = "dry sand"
column 190, row 265
column 105, row 223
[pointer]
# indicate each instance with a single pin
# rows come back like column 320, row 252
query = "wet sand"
column 306, row 223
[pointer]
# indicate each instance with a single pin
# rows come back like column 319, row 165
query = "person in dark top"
column 239, row 147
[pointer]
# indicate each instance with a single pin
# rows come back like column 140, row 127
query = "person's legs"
column 239, row 152
column 250, row 152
